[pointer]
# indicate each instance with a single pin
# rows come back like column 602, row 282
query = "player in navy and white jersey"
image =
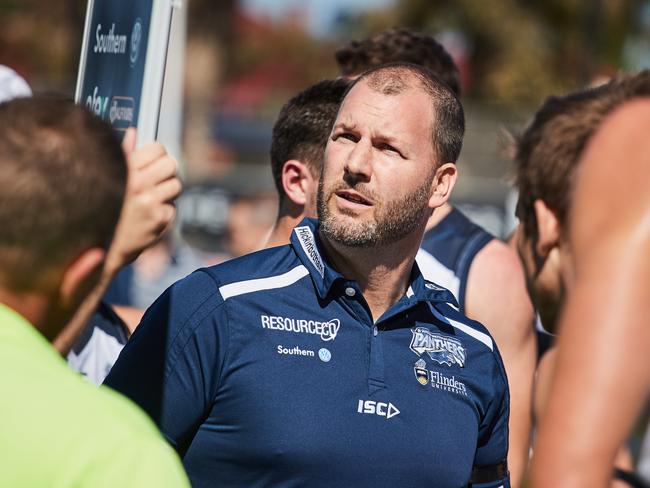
column 99, row 344
column 547, row 161
column 448, row 252
column 482, row 272
column 331, row 361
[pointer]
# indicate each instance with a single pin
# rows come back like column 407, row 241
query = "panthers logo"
column 440, row 348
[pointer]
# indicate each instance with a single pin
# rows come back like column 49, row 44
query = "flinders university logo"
column 440, row 348
column 421, row 373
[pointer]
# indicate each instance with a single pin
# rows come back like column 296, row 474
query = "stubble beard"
column 394, row 219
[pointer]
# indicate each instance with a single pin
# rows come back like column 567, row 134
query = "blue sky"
column 320, row 13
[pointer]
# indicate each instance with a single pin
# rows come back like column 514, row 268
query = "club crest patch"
column 421, row 373
column 440, row 348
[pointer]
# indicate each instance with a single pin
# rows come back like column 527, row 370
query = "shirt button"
column 374, row 330
column 349, row 291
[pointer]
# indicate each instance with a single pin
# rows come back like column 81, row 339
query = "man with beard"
column 331, row 361
column 547, row 160
column 480, row 270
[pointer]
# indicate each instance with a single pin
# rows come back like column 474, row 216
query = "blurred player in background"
column 601, row 380
column 299, row 137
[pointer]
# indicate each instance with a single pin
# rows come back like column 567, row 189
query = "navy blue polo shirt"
column 268, row 370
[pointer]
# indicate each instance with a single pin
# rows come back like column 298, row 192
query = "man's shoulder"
column 207, row 288
column 497, row 272
column 497, row 295
column 49, row 401
column 98, row 428
column 254, row 265
column 455, row 225
column 449, row 250
column 497, row 255
column 473, row 330
column 254, row 269
column 206, row 281
column 455, row 240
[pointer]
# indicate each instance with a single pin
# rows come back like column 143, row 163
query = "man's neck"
column 289, row 215
column 438, row 214
column 32, row 306
column 281, row 231
column 382, row 272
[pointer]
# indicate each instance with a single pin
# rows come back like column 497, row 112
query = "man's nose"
column 358, row 166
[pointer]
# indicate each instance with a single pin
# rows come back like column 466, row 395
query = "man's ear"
column 296, row 181
column 548, row 229
column 81, row 275
column 442, row 184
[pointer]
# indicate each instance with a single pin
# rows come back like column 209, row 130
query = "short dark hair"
column 547, row 153
column 63, row 177
column 303, row 126
column 449, row 119
column 398, row 44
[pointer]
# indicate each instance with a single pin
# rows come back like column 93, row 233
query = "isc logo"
column 382, row 409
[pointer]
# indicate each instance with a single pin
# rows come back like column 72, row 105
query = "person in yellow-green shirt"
column 63, row 177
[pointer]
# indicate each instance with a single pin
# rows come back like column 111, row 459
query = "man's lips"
column 353, row 197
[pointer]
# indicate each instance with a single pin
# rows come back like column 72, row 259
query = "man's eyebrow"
column 388, row 139
column 345, row 125
column 353, row 126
